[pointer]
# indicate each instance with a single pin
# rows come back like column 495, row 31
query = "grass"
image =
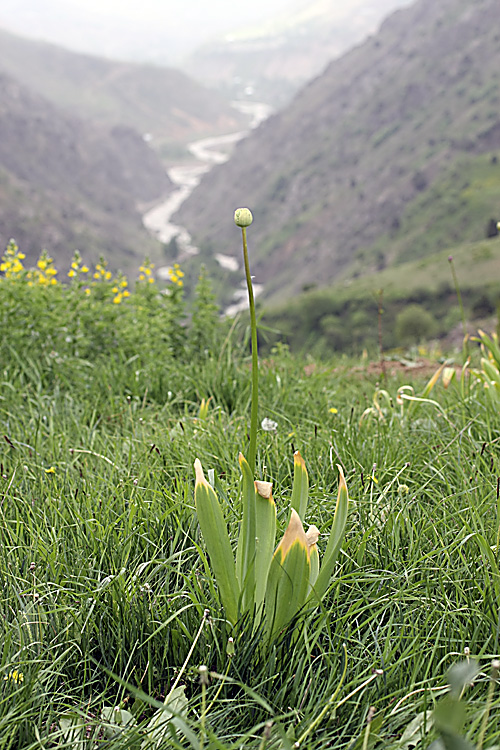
column 107, row 598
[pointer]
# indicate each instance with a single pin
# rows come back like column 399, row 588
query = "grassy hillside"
column 335, row 171
column 66, row 184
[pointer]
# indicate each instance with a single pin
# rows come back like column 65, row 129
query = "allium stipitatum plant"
column 271, row 586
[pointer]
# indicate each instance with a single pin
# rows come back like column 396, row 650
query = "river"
column 208, row 152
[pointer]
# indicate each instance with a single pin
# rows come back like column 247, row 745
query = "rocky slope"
column 334, row 171
column 67, row 184
column 162, row 102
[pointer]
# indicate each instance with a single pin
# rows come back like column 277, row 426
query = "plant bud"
column 243, row 217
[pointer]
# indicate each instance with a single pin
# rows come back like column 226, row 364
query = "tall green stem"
column 255, row 358
column 465, row 345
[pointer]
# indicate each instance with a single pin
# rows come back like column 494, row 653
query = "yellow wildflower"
column 14, row 676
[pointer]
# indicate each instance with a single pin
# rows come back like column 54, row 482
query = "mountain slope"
column 67, row 184
column 160, row 101
column 334, row 171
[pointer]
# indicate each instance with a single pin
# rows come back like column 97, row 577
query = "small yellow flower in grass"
column 71, row 273
column 86, row 291
column 333, row 410
column 14, row 676
column 117, row 299
column 51, row 470
column 84, row 269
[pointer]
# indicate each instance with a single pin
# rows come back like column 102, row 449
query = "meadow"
column 112, row 629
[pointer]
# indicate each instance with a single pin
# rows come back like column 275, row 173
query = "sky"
column 107, row 26
column 163, row 31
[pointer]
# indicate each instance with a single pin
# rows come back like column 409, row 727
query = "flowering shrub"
column 94, row 311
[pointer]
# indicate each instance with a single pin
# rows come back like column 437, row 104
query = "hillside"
column 343, row 317
column 67, row 184
column 163, row 102
column 335, row 171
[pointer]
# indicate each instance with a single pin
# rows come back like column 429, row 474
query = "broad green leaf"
column 455, row 742
column 334, row 541
column 158, row 729
column 490, row 371
column 289, row 575
column 491, row 344
column 73, row 730
column 414, row 731
column 449, row 715
column 116, row 720
column 245, row 552
column 214, row 530
column 432, row 382
column 300, row 489
column 448, row 375
column 461, row 674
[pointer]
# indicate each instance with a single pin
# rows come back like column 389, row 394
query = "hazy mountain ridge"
column 334, row 171
column 276, row 58
column 163, row 102
column 67, row 184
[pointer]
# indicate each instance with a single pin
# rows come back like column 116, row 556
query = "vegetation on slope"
column 343, row 317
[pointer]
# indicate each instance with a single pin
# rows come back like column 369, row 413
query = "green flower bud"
column 243, row 217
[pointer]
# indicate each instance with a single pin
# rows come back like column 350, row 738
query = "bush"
column 414, row 324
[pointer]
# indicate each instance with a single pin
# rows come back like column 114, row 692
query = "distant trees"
column 492, row 229
column 414, row 324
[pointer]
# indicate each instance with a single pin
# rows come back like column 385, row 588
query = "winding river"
column 208, row 152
